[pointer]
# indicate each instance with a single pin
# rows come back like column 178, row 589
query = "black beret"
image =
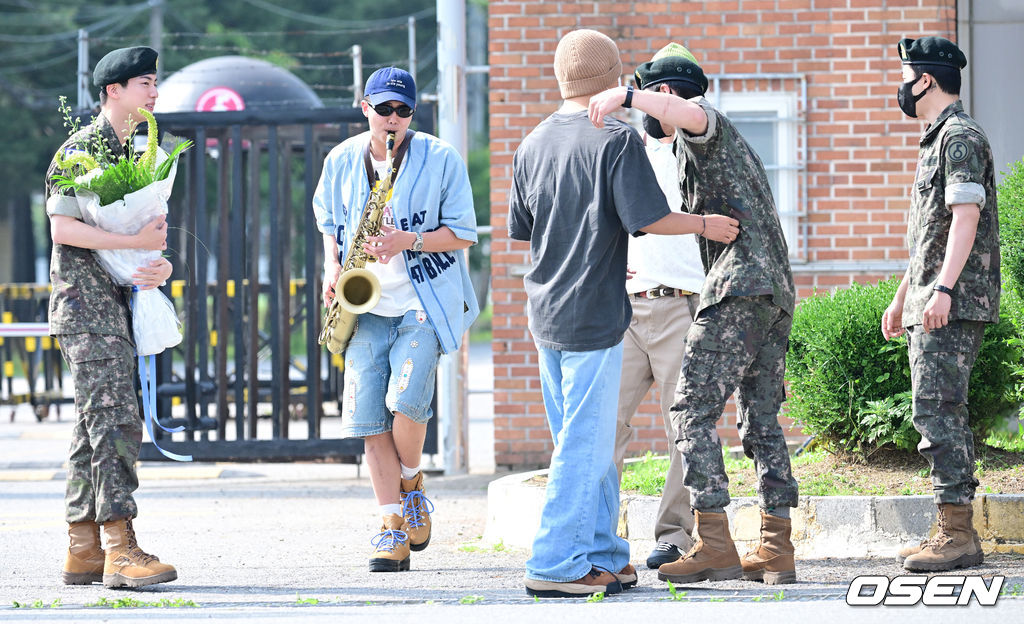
column 931, row 51
column 123, row 64
column 669, row 68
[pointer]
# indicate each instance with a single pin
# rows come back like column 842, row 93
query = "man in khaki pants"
column 666, row 274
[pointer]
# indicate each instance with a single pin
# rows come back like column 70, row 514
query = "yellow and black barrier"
column 28, row 352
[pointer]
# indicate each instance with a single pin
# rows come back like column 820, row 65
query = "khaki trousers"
column 653, row 353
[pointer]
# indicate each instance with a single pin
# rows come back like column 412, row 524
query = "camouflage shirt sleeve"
column 963, row 156
column 712, row 130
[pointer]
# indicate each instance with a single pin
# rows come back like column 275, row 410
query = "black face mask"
column 653, row 127
column 906, row 98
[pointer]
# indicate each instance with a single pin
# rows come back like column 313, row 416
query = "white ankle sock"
column 395, row 509
column 407, row 472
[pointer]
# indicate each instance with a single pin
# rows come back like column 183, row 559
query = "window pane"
column 763, row 137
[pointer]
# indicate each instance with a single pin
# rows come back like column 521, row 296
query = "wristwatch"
column 943, row 289
column 417, row 245
column 628, row 103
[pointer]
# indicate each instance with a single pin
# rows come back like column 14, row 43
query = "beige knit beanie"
column 586, row 62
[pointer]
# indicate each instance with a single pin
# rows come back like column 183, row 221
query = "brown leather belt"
column 662, row 291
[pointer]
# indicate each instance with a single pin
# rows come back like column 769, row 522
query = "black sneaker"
column 664, row 552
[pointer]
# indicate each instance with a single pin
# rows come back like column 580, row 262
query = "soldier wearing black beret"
column 123, row 64
column 89, row 315
column 950, row 289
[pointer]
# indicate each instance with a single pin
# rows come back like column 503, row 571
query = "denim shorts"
column 390, row 366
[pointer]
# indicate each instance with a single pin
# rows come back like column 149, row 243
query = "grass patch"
column 999, row 468
column 132, row 603
column 481, row 329
column 475, row 546
column 37, row 604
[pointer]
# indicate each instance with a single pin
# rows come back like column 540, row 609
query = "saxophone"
column 358, row 290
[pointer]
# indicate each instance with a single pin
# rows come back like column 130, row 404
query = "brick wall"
column 861, row 149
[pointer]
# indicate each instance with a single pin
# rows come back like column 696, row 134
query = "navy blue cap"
column 391, row 83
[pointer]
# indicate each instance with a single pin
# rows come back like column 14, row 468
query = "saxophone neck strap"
column 371, row 177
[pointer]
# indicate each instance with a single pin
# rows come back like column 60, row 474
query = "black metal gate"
column 248, row 263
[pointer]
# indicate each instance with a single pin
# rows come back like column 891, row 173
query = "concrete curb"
column 823, row 526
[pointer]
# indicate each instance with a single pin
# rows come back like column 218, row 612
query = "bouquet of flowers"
column 122, row 195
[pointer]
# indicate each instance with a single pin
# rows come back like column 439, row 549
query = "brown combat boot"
column 713, row 556
column 772, row 560
column 126, row 564
column 391, row 546
column 597, row 580
column 955, row 545
column 84, row 563
column 416, row 508
column 913, row 549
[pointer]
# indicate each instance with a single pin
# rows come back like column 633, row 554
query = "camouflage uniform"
column 741, row 334
column 954, row 167
column 90, row 317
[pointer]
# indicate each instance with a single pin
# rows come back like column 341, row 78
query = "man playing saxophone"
column 426, row 299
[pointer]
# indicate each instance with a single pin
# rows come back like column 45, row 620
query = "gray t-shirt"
column 577, row 193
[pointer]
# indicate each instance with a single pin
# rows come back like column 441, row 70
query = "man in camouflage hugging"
column 949, row 292
column 740, row 335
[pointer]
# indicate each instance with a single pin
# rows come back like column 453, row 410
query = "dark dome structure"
column 234, row 83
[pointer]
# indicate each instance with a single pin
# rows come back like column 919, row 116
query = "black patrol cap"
column 931, row 51
column 673, row 62
column 123, row 64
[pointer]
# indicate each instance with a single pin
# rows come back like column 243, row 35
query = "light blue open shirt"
column 432, row 189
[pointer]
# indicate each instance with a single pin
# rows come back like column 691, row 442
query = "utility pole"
column 156, row 31
column 357, row 74
column 451, row 115
column 411, row 25
column 84, row 98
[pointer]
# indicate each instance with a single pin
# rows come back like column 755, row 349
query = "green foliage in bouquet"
column 111, row 179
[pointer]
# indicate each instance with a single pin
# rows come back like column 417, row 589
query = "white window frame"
column 785, row 106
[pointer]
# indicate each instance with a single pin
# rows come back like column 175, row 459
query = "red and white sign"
column 220, row 99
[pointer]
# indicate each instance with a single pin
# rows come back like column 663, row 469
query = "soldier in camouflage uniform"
column 90, row 317
column 949, row 292
column 738, row 340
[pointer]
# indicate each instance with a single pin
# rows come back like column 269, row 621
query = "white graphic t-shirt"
column 397, row 293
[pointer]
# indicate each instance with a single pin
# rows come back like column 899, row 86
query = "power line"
column 40, row 64
column 71, row 34
column 258, row 52
column 320, row 20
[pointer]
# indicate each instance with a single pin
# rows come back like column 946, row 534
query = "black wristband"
column 628, row 103
column 943, row 289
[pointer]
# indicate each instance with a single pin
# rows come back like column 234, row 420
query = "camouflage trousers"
column 108, row 432
column 739, row 343
column 940, row 369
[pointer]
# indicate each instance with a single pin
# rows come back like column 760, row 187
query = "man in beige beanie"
column 577, row 191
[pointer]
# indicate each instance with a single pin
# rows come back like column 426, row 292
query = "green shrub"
column 851, row 388
column 1011, row 229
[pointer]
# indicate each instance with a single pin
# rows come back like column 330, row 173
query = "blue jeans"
column 581, row 504
column 390, row 366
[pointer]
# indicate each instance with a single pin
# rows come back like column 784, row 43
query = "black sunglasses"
column 385, row 110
